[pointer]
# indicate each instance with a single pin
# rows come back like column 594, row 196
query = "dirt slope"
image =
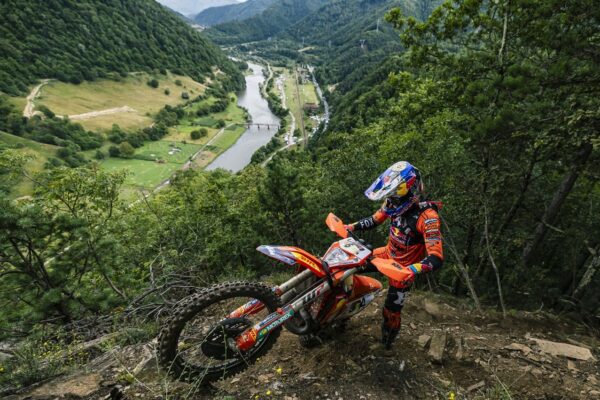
column 482, row 357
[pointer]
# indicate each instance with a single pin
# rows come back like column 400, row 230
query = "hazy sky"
column 192, row 7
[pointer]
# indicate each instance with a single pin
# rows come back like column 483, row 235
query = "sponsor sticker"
column 306, row 260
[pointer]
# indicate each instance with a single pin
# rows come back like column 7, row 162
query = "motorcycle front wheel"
column 195, row 343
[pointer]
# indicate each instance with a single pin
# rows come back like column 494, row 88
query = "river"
column 238, row 156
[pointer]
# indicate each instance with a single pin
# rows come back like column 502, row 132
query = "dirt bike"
column 222, row 329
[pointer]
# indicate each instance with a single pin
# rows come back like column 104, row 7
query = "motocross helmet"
column 400, row 185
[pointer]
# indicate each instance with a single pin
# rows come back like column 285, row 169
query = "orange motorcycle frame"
column 335, row 270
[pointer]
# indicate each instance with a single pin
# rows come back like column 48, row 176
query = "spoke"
column 202, row 330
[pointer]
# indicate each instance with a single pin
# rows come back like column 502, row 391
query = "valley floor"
column 130, row 103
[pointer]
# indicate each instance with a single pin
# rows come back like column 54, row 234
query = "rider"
column 415, row 238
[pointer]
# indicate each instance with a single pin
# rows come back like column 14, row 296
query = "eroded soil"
column 482, row 357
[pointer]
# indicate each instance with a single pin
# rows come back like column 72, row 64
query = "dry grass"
column 133, row 91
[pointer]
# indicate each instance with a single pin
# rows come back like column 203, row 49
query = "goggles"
column 396, row 201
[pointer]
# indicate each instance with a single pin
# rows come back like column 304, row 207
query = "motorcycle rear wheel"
column 192, row 346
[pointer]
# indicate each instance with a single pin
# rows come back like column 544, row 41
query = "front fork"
column 254, row 306
column 250, row 336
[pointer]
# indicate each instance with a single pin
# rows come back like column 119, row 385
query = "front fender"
column 294, row 255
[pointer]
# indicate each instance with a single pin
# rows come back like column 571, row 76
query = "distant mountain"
column 87, row 39
column 234, row 12
column 179, row 15
column 189, row 8
column 349, row 35
column 351, row 44
column 275, row 19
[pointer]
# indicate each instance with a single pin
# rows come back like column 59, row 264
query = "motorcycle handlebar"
column 358, row 238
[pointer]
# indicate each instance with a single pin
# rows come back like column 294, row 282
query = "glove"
column 349, row 227
column 420, row 267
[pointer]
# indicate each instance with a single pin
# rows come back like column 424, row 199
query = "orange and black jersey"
column 415, row 236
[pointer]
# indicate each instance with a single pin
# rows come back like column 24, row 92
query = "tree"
column 58, row 252
column 153, row 83
column 514, row 81
column 126, row 150
column 199, row 133
column 99, row 155
column 114, row 151
column 46, row 111
column 185, row 95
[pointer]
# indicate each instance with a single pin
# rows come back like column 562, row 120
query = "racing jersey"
column 415, row 238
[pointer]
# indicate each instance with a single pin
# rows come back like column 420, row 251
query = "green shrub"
column 199, row 133
column 99, row 155
column 126, row 149
column 114, row 151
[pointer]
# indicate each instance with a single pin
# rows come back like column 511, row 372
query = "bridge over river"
column 263, row 127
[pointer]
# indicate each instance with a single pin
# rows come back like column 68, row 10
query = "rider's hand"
column 349, row 227
column 409, row 273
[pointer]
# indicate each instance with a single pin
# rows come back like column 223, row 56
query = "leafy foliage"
column 74, row 41
column 58, row 247
column 501, row 122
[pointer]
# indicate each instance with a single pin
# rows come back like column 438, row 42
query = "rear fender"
column 294, row 255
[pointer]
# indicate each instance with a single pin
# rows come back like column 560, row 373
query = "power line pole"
column 377, row 25
column 362, row 44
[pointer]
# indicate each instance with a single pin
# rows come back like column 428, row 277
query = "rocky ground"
column 445, row 352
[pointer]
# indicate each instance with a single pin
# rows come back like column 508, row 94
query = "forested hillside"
column 85, row 40
column 507, row 137
column 497, row 104
column 346, row 40
column 279, row 16
column 350, row 38
column 219, row 15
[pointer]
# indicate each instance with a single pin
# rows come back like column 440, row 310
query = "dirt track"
column 29, row 110
column 485, row 357
column 109, row 111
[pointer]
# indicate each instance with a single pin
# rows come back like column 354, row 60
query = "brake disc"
column 216, row 343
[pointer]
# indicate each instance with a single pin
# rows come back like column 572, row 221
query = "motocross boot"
column 390, row 327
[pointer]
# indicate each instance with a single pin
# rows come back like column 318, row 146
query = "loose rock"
column 476, row 386
column 459, row 355
column 519, row 347
column 432, row 308
column 564, row 350
column 424, row 341
column 438, row 347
